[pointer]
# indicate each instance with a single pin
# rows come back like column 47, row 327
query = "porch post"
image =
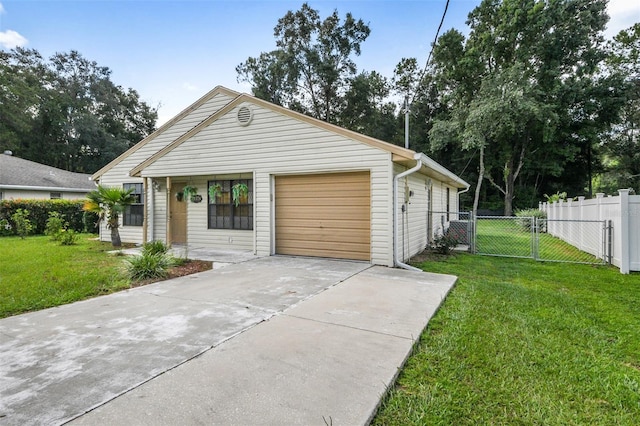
column 145, row 222
column 168, row 210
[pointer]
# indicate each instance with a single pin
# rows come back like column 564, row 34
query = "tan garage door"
column 325, row 215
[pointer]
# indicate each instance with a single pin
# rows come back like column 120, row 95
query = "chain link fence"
column 569, row 241
column 573, row 241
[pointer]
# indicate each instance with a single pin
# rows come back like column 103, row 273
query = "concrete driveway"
column 276, row 340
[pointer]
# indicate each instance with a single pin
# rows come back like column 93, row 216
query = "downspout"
column 151, row 212
column 396, row 261
column 461, row 192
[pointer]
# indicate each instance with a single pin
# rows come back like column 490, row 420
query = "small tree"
column 22, row 223
column 109, row 203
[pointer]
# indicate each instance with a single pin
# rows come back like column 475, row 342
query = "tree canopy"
column 66, row 112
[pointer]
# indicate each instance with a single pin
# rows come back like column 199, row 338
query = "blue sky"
column 172, row 52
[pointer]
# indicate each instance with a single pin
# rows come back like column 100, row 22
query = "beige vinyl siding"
column 198, row 234
column 439, row 217
column 160, row 212
column 119, row 174
column 416, row 214
column 412, row 223
column 274, row 144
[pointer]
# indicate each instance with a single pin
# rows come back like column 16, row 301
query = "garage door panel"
column 320, row 212
column 324, row 193
column 325, row 246
column 326, row 179
column 317, row 201
column 324, row 234
column 336, row 224
column 324, row 215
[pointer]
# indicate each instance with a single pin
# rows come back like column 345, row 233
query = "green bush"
column 154, row 247
column 525, row 217
column 39, row 211
column 67, row 237
column 90, row 222
column 5, row 228
column 444, row 243
column 55, row 224
column 22, row 223
column 148, row 266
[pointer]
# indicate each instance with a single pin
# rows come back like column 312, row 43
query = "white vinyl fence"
column 623, row 212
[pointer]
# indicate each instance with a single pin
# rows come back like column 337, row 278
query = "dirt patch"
column 191, row 267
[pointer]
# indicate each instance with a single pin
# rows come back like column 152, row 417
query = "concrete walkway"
column 275, row 340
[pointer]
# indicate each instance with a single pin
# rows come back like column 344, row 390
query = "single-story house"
column 24, row 179
column 302, row 186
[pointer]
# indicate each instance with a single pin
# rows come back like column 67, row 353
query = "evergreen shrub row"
column 71, row 211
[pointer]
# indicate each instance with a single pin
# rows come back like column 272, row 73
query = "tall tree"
column 622, row 144
column 541, row 61
column 66, row 112
column 312, row 66
column 367, row 108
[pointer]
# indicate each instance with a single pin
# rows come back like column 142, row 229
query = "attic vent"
column 245, row 115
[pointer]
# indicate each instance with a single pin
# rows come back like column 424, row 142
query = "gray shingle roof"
column 24, row 173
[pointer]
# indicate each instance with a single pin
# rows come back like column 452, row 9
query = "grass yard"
column 36, row 273
column 523, row 342
column 506, row 237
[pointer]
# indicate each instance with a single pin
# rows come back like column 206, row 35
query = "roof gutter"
column 431, row 164
column 396, row 261
column 43, row 188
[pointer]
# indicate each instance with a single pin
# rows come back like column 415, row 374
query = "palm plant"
column 109, row 202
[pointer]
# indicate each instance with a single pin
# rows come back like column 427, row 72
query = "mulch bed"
column 188, row 268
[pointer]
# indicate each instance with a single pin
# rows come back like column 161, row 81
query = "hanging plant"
column 190, row 192
column 180, row 196
column 214, row 192
column 238, row 191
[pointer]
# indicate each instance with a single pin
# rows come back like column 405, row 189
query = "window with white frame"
column 134, row 213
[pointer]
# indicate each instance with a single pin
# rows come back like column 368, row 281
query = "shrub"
column 444, row 243
column 90, row 222
column 525, row 217
column 154, row 247
column 148, row 266
column 39, row 211
column 5, row 228
column 55, row 225
column 67, row 237
column 22, row 223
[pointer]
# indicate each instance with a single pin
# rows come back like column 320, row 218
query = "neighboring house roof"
column 17, row 173
column 215, row 91
column 399, row 154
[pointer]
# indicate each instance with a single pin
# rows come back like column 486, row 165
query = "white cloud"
column 623, row 14
column 11, row 39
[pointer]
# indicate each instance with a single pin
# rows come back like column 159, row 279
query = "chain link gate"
column 569, row 241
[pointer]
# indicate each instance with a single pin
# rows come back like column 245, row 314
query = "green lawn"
column 524, row 342
column 36, row 273
column 502, row 237
column 506, row 237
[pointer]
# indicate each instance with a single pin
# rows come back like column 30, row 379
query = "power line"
column 435, row 40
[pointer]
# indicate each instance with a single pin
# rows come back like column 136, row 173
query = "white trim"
column 44, row 188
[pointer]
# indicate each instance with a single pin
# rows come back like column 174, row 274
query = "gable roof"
column 19, row 173
column 396, row 150
column 211, row 94
column 399, row 154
